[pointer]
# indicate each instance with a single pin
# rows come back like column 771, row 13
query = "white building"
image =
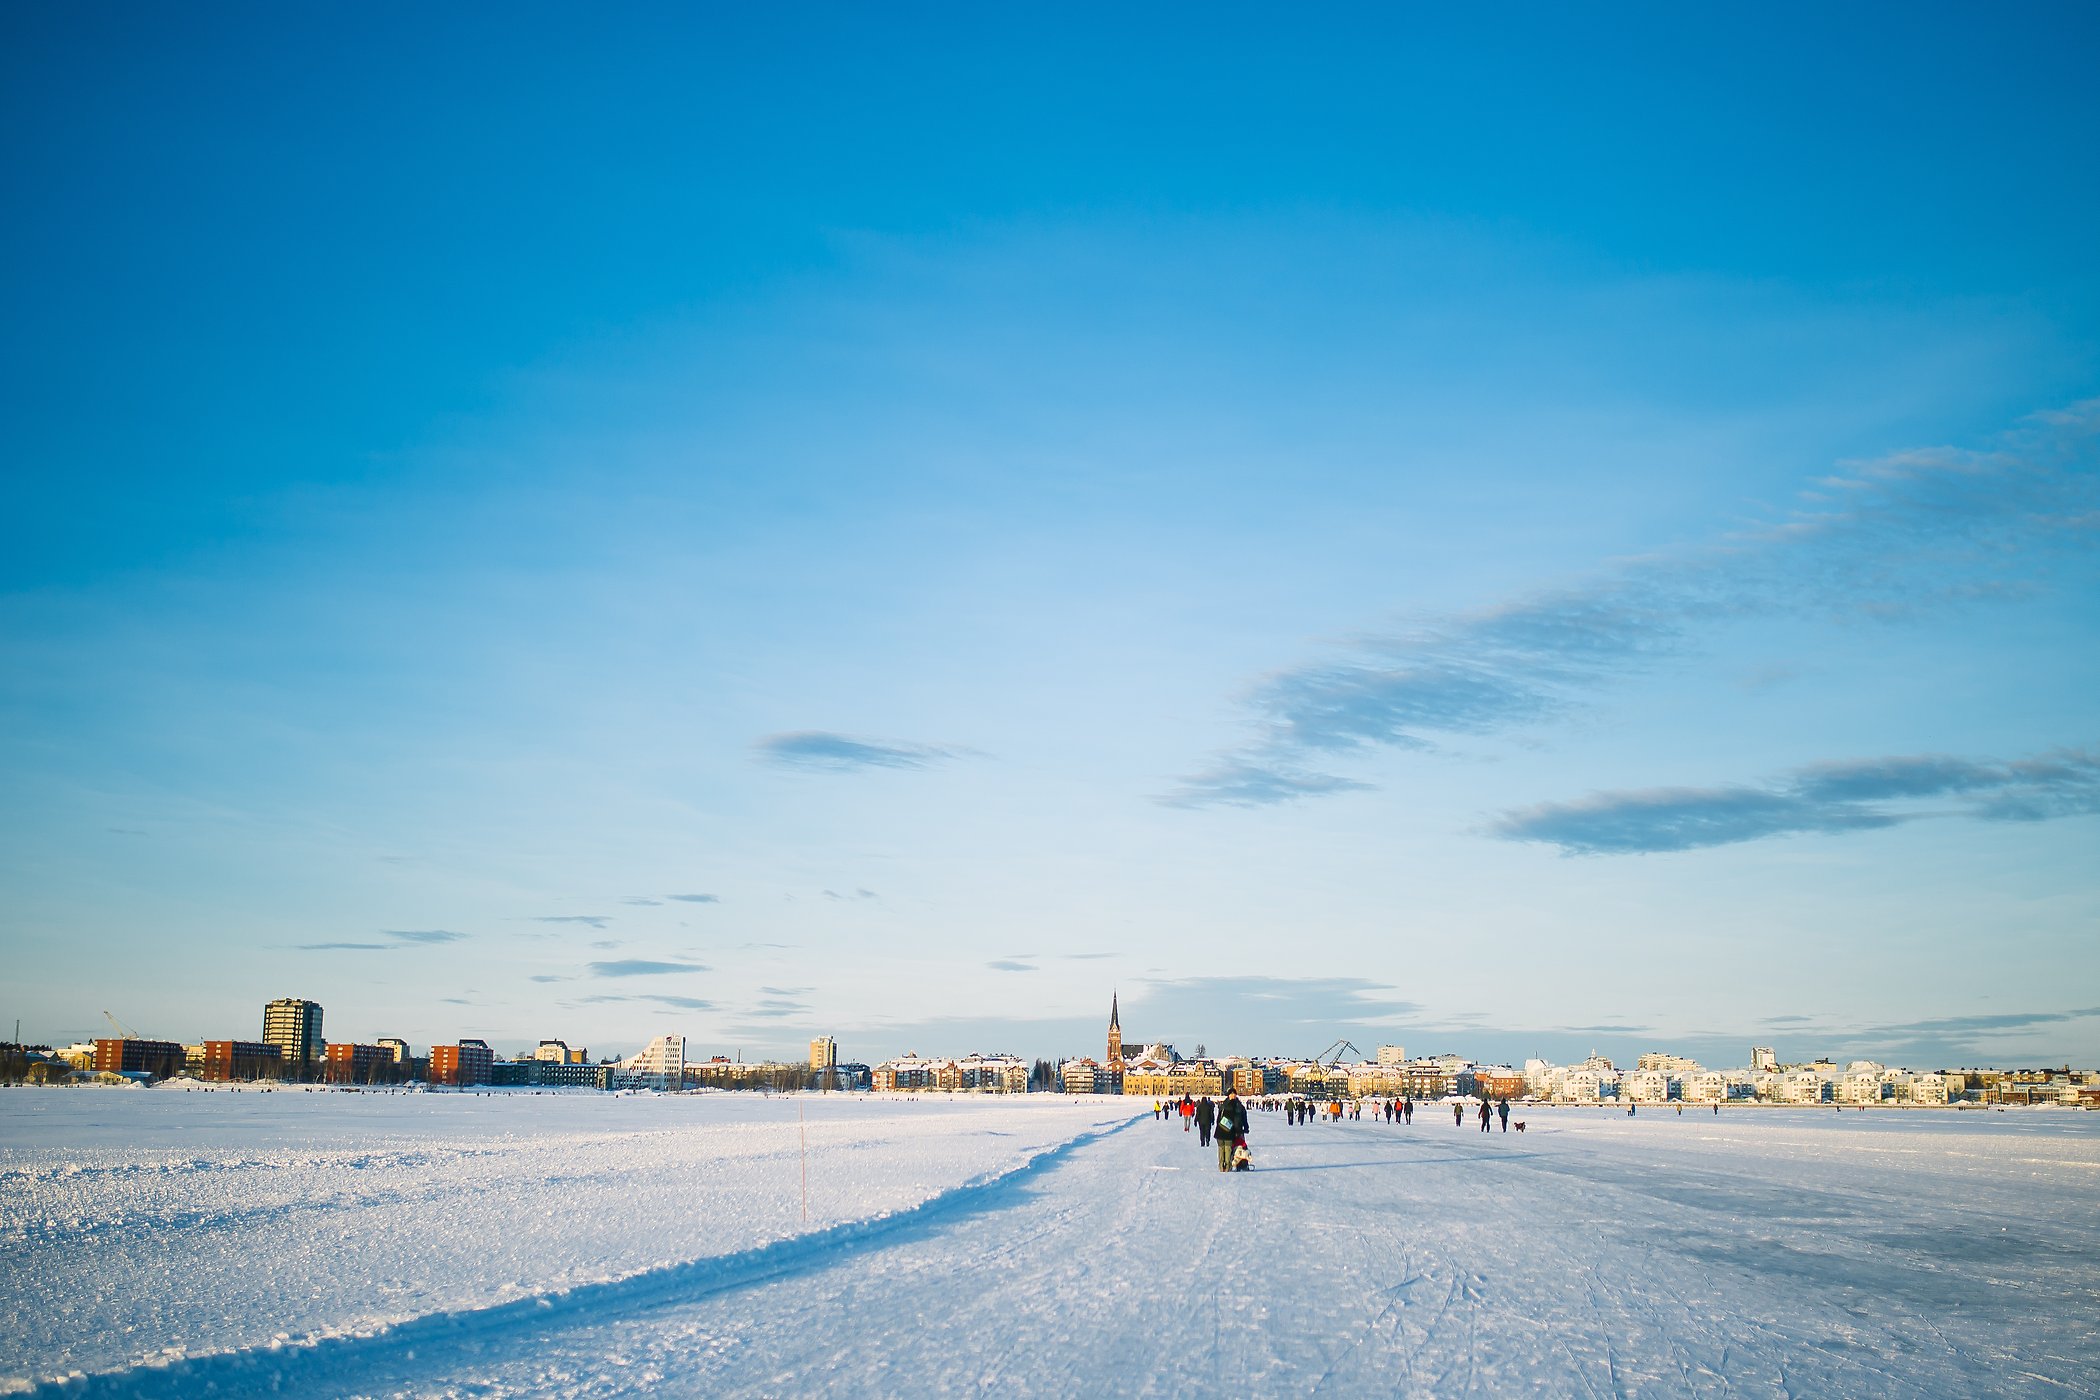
column 1644, row 1086
column 909, row 1072
column 1581, row 1084
column 1084, row 1076
column 1860, row 1083
column 1704, row 1086
column 1392, row 1055
column 660, row 1065
column 1379, row 1080
column 997, row 1074
column 1669, row 1064
column 1804, row 1085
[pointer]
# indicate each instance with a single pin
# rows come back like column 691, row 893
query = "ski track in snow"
column 1039, row 1248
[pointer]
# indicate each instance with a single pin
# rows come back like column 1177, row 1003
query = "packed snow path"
column 1758, row 1253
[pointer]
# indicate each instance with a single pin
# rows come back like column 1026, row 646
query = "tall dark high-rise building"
column 294, row 1027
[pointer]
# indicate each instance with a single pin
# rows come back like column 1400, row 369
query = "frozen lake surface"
column 168, row 1243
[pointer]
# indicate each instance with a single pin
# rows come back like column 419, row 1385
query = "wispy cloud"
column 1010, row 965
column 777, row 1008
column 695, row 898
column 673, row 1002
column 402, row 937
column 1821, row 798
column 1886, row 538
column 1250, row 784
column 550, row 977
column 1945, row 1041
column 640, row 899
column 424, row 935
column 642, row 967
column 837, row 753
column 857, row 894
column 587, row 920
column 1997, row 1021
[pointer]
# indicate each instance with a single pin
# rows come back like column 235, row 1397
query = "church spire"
column 1115, row 1021
column 1115, row 1031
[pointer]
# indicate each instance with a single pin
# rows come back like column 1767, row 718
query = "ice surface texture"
column 295, row 1244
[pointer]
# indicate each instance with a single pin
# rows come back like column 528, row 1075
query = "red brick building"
column 159, row 1058
column 1500, row 1082
column 468, row 1062
column 241, row 1059
column 360, row 1064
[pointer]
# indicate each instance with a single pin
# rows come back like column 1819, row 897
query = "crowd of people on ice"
column 1223, row 1122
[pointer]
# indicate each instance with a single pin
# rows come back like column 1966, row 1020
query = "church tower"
column 1115, row 1033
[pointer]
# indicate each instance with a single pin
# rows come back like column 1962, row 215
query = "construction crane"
column 1332, row 1055
column 123, row 1032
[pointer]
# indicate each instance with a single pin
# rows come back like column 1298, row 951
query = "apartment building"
column 162, row 1059
column 294, row 1027
column 224, row 1060
column 467, row 1063
column 347, row 1063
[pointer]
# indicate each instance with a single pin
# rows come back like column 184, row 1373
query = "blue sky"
column 1498, row 533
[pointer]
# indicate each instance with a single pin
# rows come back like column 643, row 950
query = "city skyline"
column 1578, row 537
column 1788, row 1043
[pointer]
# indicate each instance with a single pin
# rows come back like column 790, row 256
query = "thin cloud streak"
column 1823, row 798
column 1244, row 784
column 1890, row 538
column 642, row 967
column 675, row 1003
column 403, row 937
column 821, row 751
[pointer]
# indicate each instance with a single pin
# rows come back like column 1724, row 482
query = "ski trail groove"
column 274, row 1368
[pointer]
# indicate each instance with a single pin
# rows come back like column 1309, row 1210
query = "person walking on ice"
column 1231, row 1129
column 1502, row 1112
column 1206, row 1115
column 1486, row 1114
column 1458, row 1115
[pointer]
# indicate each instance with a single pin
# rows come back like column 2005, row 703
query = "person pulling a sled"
column 1231, row 1130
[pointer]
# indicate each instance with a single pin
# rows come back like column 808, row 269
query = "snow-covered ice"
column 158, row 1243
